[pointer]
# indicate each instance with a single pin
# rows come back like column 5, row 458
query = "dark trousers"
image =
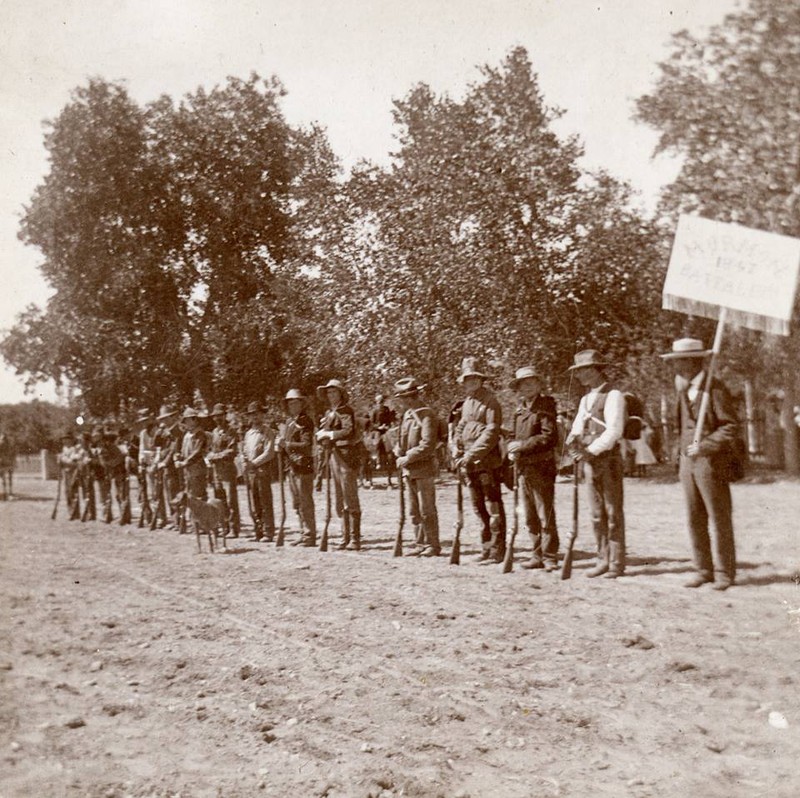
column 302, row 489
column 226, row 490
column 261, row 502
column 604, row 476
column 709, row 496
column 487, row 501
column 537, row 494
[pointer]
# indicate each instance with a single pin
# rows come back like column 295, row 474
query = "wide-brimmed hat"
column 255, row 407
column 190, row 412
column 588, row 358
column 687, row 347
column 294, row 393
column 165, row 413
column 408, row 386
column 471, row 367
column 332, row 384
column 524, row 373
column 217, row 410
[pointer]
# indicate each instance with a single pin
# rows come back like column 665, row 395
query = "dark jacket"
column 536, row 429
column 478, row 431
column 419, row 435
column 298, row 443
column 341, row 420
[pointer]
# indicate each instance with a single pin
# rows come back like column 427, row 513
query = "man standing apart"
column 297, row 442
column 339, row 432
column 533, row 450
column 594, row 438
column 223, row 466
column 477, row 441
column 417, row 457
column 703, row 465
column 258, row 450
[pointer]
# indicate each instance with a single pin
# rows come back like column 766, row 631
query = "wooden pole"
column 701, row 416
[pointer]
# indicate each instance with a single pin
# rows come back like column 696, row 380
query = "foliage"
column 730, row 105
column 35, row 425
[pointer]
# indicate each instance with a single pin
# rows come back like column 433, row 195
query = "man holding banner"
column 736, row 275
column 703, row 466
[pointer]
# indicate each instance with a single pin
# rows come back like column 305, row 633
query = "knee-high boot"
column 356, row 531
column 345, row 530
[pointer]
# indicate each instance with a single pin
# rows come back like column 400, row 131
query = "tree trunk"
column 791, row 455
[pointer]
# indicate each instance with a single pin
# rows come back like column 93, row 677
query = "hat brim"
column 322, row 391
column 598, row 365
column 166, row 416
column 514, row 383
column 694, row 354
column 473, row 374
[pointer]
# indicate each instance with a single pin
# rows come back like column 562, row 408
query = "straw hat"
column 686, row 347
column 588, row 358
column 471, row 367
column 524, row 373
column 321, row 391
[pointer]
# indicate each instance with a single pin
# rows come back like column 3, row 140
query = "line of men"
column 171, row 454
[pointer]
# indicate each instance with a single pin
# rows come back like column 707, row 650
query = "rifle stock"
column 398, row 541
column 566, row 566
column 58, row 494
column 323, row 543
column 282, row 526
column 508, row 560
column 455, row 554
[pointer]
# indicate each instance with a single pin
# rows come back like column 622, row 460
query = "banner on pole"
column 750, row 272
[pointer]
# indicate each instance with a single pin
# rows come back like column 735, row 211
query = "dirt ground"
column 132, row 666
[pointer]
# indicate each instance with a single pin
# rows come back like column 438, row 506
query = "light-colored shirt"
column 696, row 385
column 613, row 419
column 258, row 446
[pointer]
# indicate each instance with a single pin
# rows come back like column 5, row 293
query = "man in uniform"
column 477, row 440
column 416, row 447
column 8, row 456
column 68, row 459
column 258, row 451
column 594, row 438
column 532, row 449
column 192, row 456
column 222, row 456
column 703, row 465
column 111, row 473
column 166, row 481
column 146, row 453
column 381, row 417
column 339, row 433
column 297, row 444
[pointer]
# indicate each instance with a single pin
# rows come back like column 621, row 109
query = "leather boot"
column 356, row 531
column 345, row 531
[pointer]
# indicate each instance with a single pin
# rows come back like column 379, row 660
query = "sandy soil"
column 132, row 666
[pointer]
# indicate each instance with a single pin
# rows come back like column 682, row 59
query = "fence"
column 41, row 465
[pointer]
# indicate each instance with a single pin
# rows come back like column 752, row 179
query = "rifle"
column 455, row 554
column 508, row 561
column 182, row 506
column 398, row 541
column 323, row 544
column 144, row 500
column 282, row 526
column 566, row 566
column 58, row 494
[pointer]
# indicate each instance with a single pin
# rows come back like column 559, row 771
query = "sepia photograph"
column 400, row 399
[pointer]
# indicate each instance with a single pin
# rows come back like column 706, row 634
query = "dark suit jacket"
column 535, row 427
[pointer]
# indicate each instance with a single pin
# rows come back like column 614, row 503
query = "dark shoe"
column 698, row 581
column 598, row 570
column 532, row 565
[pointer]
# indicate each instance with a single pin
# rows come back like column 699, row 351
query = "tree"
column 729, row 104
column 483, row 236
column 164, row 232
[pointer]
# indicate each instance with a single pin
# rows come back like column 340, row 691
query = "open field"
column 132, row 666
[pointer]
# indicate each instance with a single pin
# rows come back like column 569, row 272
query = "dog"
column 207, row 516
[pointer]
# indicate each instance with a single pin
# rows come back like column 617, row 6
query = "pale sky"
column 342, row 62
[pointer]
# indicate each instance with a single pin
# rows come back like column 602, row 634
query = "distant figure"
column 642, row 451
column 8, row 456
